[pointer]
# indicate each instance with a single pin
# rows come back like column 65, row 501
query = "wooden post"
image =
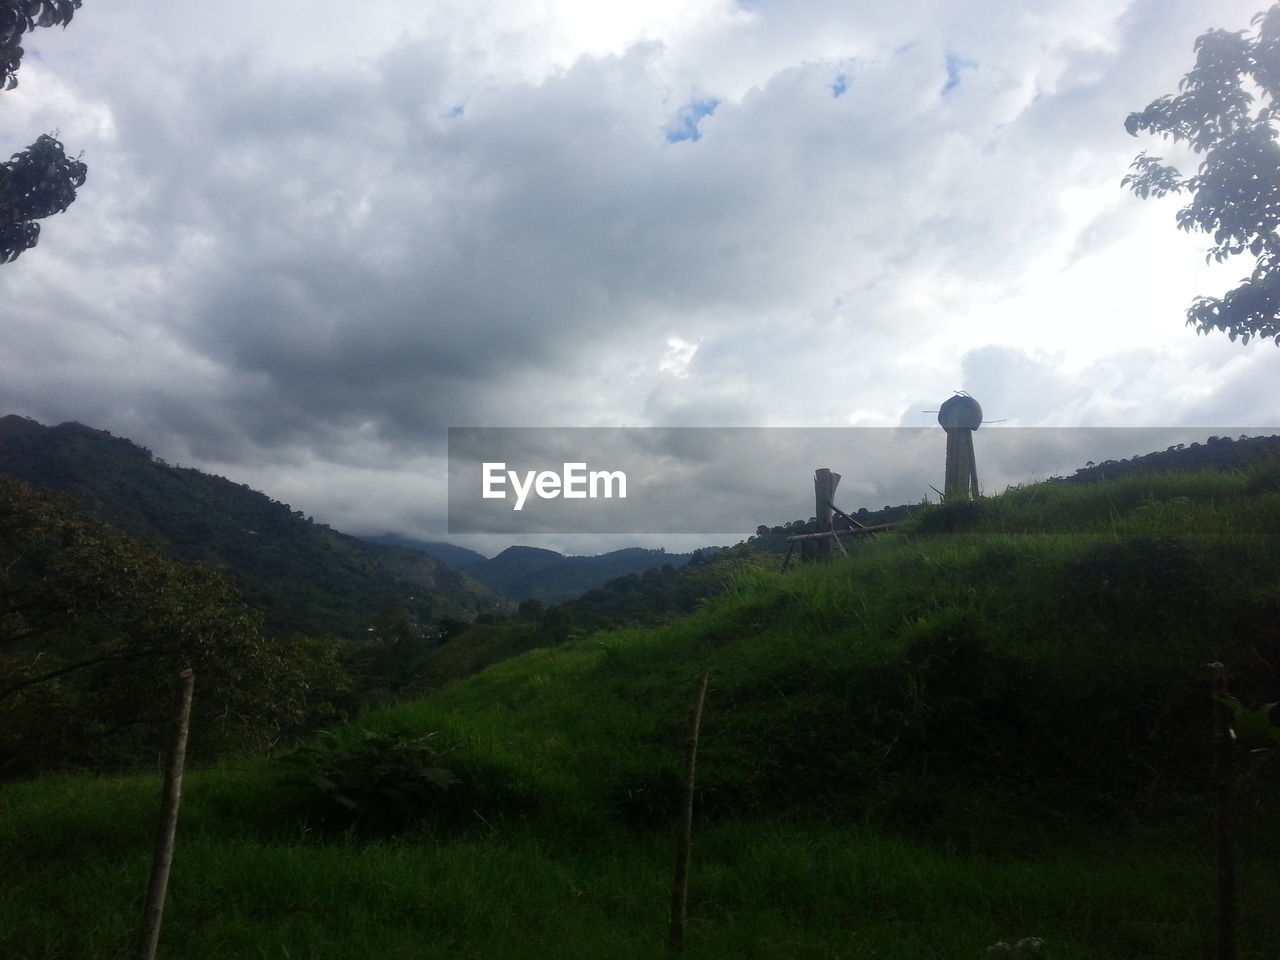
column 162, row 859
column 684, row 838
column 1223, row 775
column 824, row 491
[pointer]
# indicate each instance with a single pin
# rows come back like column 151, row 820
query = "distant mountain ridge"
column 305, row 577
column 534, row 573
column 460, row 558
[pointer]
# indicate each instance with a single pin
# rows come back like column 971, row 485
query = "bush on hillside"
column 379, row 784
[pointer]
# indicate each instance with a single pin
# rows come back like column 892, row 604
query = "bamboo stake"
column 1222, row 781
column 684, row 839
column 162, row 860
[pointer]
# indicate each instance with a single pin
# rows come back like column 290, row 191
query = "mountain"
column 305, row 577
column 524, row 573
column 532, row 573
column 460, row 558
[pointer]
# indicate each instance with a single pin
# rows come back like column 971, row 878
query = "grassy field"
column 990, row 726
column 758, row 891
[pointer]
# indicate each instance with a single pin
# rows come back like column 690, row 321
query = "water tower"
column 960, row 416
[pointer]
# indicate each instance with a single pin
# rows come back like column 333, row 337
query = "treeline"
column 1221, row 453
column 657, row 596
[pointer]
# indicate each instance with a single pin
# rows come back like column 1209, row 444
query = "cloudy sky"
column 316, row 234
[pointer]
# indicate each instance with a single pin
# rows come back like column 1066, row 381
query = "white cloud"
column 315, row 235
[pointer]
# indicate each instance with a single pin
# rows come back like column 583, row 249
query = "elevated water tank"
column 960, row 412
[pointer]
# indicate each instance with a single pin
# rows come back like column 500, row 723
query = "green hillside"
column 991, row 724
column 970, row 647
column 306, row 578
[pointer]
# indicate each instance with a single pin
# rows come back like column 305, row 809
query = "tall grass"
column 758, row 890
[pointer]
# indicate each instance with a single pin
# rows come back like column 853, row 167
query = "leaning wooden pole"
column 1226, row 847
column 684, row 836
column 162, row 859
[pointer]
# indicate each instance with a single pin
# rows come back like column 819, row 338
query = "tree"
column 555, row 626
column 36, row 183
column 40, row 181
column 20, row 16
column 391, row 660
column 1235, row 193
column 93, row 628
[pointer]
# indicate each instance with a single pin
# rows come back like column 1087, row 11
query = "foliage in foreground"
column 382, row 783
column 42, row 180
column 1235, row 192
column 94, row 629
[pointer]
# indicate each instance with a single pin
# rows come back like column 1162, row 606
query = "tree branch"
column 93, row 661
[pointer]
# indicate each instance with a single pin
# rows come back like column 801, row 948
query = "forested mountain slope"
column 305, row 577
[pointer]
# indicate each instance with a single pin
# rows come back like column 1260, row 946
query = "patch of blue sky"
column 685, row 125
column 956, row 65
column 844, row 79
column 453, row 112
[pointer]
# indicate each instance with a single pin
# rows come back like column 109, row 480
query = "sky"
column 315, row 234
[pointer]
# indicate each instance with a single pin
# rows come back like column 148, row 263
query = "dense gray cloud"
column 313, row 239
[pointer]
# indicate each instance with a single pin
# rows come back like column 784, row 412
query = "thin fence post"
column 162, row 859
column 684, row 837
column 1225, row 827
